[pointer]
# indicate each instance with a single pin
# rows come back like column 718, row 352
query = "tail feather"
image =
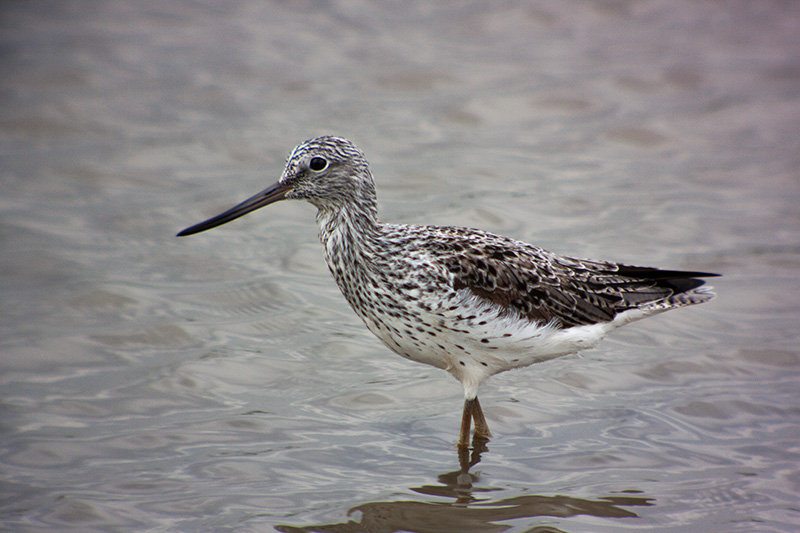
column 680, row 291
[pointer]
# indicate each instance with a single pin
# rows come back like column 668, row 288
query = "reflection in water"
column 467, row 513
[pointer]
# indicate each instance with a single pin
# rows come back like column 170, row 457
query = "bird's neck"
column 348, row 236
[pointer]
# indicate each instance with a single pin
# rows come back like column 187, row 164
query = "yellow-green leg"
column 473, row 411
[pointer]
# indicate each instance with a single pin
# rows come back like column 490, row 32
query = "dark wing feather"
column 568, row 292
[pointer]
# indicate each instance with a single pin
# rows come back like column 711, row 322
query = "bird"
column 464, row 300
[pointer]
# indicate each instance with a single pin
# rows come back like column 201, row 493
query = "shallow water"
column 220, row 382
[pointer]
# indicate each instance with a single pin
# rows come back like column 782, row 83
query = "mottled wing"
column 568, row 292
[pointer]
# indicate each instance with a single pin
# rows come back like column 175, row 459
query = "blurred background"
column 220, row 382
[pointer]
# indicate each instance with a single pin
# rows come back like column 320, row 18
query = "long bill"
column 270, row 195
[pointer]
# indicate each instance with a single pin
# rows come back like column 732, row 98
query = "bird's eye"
column 317, row 163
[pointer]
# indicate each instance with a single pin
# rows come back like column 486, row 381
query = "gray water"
column 220, row 382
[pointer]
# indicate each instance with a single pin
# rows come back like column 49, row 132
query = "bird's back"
column 520, row 279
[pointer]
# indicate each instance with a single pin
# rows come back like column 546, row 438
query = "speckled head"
column 329, row 172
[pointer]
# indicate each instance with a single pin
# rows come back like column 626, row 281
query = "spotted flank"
column 463, row 300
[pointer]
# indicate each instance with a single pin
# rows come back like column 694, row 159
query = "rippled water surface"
column 220, row 382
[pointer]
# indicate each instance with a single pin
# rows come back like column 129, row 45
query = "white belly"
column 474, row 341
